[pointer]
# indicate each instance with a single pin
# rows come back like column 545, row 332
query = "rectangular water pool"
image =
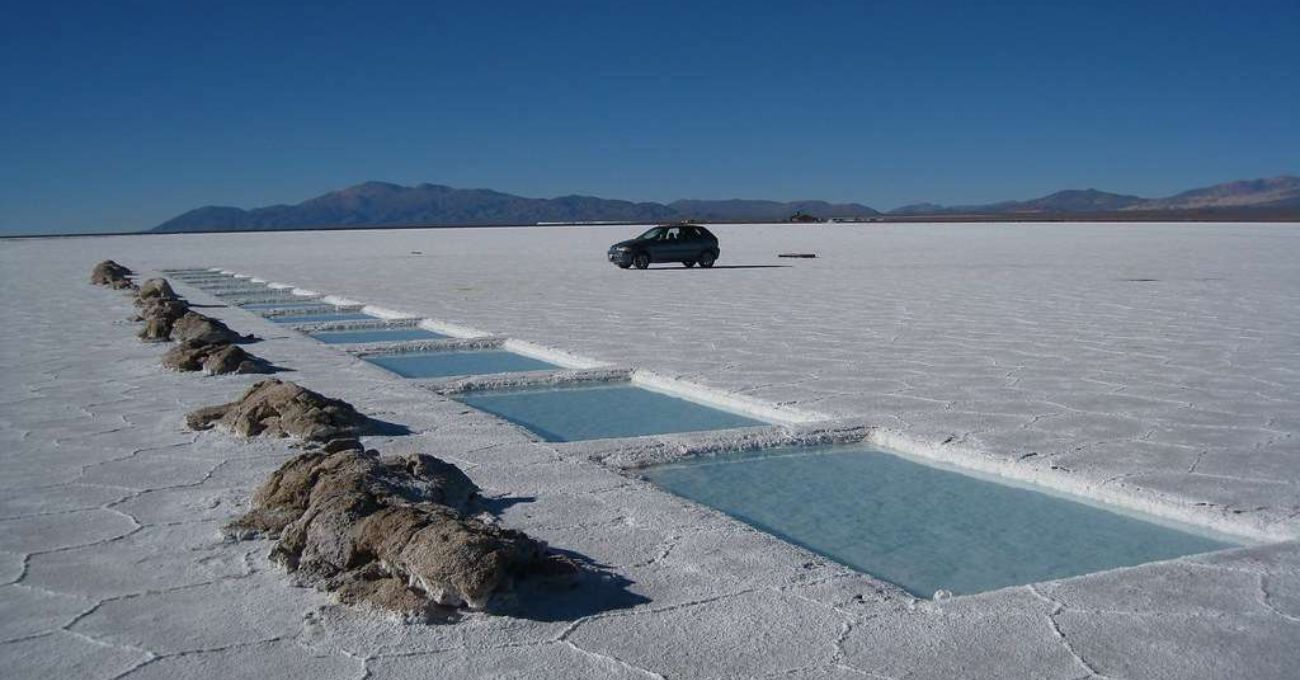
column 322, row 318
column 286, row 305
column 920, row 527
column 446, row 364
column 581, row 413
column 376, row 335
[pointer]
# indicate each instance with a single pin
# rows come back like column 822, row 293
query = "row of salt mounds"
column 205, row 344
column 395, row 533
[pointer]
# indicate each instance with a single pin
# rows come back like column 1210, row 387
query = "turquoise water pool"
column 322, row 318
column 921, row 527
column 446, row 364
column 376, row 335
column 581, row 413
column 286, row 305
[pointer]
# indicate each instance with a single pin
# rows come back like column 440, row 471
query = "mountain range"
column 374, row 204
column 1276, row 193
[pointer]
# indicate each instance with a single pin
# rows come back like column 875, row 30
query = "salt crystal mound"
column 390, row 533
column 278, row 408
column 197, row 327
column 213, row 359
column 154, row 289
column 160, row 317
column 111, row 274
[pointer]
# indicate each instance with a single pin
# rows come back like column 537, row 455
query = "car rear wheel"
column 641, row 261
column 706, row 259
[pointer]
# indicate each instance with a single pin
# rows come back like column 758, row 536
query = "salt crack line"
column 1057, row 608
column 615, row 660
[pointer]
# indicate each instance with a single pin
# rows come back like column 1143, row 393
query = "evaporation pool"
column 286, row 305
column 921, row 527
column 447, row 364
column 376, row 335
column 322, row 318
column 582, row 413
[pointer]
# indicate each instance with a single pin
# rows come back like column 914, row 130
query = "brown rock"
column 160, row 316
column 218, row 359
column 111, row 274
column 205, row 330
column 155, row 289
column 392, row 533
column 282, row 409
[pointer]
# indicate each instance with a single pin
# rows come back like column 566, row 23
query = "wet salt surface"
column 445, row 364
column 576, row 414
column 921, row 527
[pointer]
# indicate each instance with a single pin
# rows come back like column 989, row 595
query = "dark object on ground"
column 282, row 409
column 801, row 217
column 214, row 359
column 205, row 330
column 160, row 317
column 688, row 244
column 393, row 533
column 111, row 274
column 801, row 255
column 155, row 289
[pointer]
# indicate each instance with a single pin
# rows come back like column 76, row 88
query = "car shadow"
column 722, row 266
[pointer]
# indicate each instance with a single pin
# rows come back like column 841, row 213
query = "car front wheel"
column 706, row 259
column 641, row 261
column 689, row 263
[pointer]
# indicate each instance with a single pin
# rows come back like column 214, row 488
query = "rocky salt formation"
column 394, row 533
column 195, row 327
column 213, row 359
column 279, row 408
column 111, row 274
column 159, row 307
column 160, row 317
column 154, row 289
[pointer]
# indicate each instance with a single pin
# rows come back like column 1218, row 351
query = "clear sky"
column 119, row 115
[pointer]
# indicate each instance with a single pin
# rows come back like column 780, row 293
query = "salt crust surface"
column 1011, row 343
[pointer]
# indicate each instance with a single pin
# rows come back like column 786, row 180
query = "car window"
column 692, row 233
column 672, row 234
column 651, row 234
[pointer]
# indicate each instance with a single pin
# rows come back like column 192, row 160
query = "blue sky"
column 117, row 116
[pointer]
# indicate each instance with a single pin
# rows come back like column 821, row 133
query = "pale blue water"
column 920, row 527
column 287, row 304
column 376, row 335
column 445, row 364
column 581, row 413
column 320, row 318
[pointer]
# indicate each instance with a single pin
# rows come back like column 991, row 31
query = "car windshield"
column 651, row 234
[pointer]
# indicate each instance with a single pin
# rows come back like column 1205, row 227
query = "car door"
column 692, row 244
column 669, row 246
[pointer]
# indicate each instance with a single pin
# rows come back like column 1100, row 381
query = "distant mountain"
column 381, row 203
column 375, row 204
column 766, row 211
column 1278, row 192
